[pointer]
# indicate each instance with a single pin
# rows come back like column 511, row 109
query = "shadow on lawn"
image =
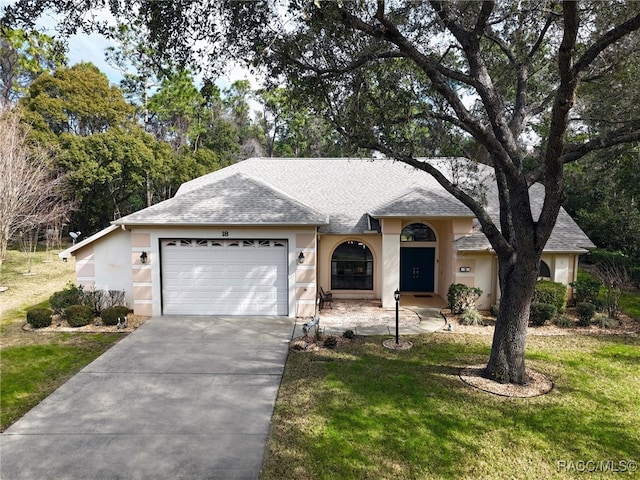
column 363, row 411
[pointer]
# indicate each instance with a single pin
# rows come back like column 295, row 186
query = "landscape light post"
column 396, row 295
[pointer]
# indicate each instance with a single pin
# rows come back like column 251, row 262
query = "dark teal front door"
column 417, row 267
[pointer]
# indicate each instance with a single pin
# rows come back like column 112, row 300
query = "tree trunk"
column 517, row 285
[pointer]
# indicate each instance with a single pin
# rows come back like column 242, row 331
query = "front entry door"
column 417, row 267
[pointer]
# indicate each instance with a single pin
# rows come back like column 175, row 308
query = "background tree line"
column 121, row 148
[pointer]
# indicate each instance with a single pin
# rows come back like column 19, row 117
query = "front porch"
column 417, row 314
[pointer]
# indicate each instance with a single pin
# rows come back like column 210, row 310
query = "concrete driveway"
column 179, row 398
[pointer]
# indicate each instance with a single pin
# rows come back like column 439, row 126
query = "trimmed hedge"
column 552, row 293
column 110, row 315
column 78, row 315
column 541, row 313
column 39, row 317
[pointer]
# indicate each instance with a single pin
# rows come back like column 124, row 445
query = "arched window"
column 352, row 267
column 545, row 271
column 417, row 232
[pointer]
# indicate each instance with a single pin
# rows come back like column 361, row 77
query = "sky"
column 91, row 48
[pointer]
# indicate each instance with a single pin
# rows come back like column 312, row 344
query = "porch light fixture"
column 301, row 258
column 143, row 257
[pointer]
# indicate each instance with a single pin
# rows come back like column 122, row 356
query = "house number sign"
column 225, row 233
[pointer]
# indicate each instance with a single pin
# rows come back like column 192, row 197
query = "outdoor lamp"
column 396, row 295
column 301, row 258
column 143, row 257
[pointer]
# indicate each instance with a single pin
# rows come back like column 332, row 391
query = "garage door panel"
column 236, row 277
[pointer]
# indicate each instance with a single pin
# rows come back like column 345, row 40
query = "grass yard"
column 362, row 411
column 34, row 364
column 630, row 304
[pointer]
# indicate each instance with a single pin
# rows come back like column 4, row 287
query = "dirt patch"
column 539, row 384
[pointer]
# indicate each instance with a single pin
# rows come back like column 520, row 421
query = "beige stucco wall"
column 105, row 264
column 481, row 274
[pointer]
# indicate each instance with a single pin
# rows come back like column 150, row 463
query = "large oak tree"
column 499, row 80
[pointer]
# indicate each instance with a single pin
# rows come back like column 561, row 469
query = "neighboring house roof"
column 338, row 195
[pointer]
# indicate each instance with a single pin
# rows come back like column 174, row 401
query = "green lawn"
column 630, row 304
column 34, row 364
column 362, row 411
column 31, row 372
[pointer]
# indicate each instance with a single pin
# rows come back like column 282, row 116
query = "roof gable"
column 423, row 203
column 234, row 200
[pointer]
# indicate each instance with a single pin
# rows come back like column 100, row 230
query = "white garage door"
column 224, row 277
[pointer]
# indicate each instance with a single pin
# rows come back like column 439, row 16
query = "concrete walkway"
column 179, row 398
column 416, row 315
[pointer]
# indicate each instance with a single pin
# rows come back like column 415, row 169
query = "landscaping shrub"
column 94, row 299
column 564, row 321
column 552, row 293
column 605, row 322
column 461, row 297
column 349, row 334
column 39, row 317
column 585, row 311
column 113, row 298
column 70, row 295
column 541, row 313
column 330, row 342
column 495, row 308
column 78, row 315
column 471, row 317
column 586, row 288
column 110, row 315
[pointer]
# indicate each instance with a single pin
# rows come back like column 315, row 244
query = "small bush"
column 349, row 334
column 495, row 308
column 461, row 297
column 94, row 299
column 471, row 317
column 585, row 311
column 586, row 288
column 39, row 317
column 605, row 322
column 78, row 315
column 541, row 313
column 330, row 342
column 564, row 321
column 110, row 315
column 552, row 293
column 71, row 295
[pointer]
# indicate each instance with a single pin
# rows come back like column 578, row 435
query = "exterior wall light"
column 143, row 257
column 301, row 258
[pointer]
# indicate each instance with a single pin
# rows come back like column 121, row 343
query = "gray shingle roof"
column 422, row 203
column 235, row 200
column 338, row 195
